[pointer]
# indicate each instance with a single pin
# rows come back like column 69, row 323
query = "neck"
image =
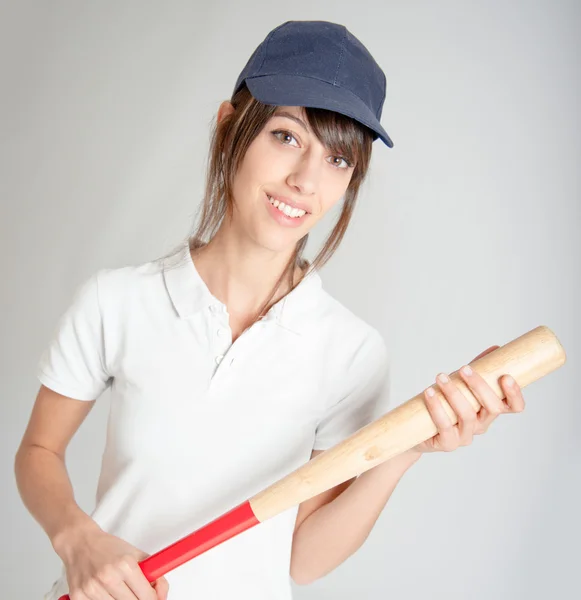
column 240, row 273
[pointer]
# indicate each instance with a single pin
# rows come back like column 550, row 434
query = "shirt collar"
column 190, row 294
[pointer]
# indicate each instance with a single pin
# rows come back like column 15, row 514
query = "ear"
column 226, row 108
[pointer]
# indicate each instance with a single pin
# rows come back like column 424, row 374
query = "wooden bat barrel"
column 527, row 358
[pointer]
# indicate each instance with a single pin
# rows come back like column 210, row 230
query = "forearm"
column 46, row 491
column 335, row 531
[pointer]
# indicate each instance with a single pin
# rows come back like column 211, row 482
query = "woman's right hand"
column 101, row 566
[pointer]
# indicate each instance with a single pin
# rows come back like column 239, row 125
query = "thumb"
column 139, row 555
column 161, row 587
column 487, row 351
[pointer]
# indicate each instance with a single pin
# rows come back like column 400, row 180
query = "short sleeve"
column 73, row 364
column 363, row 394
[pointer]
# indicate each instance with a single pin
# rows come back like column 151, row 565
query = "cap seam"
column 311, row 77
column 340, row 56
column 268, row 38
column 378, row 115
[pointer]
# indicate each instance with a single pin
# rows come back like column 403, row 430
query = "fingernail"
column 509, row 380
column 467, row 370
column 443, row 378
column 430, row 392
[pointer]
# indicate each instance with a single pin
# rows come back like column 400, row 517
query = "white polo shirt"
column 197, row 424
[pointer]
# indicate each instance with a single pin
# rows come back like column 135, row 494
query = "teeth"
column 287, row 210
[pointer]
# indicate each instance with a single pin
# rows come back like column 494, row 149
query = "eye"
column 348, row 164
column 288, row 134
column 285, row 134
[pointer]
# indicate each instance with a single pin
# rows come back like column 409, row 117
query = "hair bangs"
column 341, row 134
column 229, row 141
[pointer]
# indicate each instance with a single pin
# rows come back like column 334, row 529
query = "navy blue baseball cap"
column 318, row 64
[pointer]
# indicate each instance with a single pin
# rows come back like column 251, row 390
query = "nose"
column 306, row 174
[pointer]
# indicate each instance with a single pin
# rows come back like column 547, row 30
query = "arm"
column 39, row 466
column 331, row 526
column 95, row 561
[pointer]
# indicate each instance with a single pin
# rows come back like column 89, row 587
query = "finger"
column 103, row 594
column 515, row 401
column 130, row 582
column 447, row 437
column 465, row 414
column 487, row 351
column 136, row 581
column 116, row 589
column 162, row 588
column 109, row 585
column 92, row 591
column 485, row 395
column 483, row 415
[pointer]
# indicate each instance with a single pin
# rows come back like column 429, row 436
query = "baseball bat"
column 527, row 358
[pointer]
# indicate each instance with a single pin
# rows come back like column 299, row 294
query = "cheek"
column 333, row 198
column 334, row 185
column 254, row 173
column 260, row 157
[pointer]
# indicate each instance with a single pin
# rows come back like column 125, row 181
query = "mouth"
column 285, row 214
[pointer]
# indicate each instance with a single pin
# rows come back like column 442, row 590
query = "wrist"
column 73, row 532
column 395, row 466
column 406, row 459
column 412, row 455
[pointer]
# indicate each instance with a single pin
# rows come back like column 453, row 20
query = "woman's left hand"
column 470, row 422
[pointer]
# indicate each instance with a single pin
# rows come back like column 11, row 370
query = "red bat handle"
column 223, row 528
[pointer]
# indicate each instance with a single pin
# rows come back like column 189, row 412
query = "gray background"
column 467, row 235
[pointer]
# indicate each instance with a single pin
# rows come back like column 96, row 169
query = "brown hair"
column 229, row 141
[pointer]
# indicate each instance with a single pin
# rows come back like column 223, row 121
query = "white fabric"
column 188, row 439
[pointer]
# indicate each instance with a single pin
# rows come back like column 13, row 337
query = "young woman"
column 229, row 365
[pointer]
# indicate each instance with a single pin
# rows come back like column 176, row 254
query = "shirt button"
column 215, row 308
column 219, row 358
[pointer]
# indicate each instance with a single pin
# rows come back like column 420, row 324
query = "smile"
column 284, row 215
column 287, row 210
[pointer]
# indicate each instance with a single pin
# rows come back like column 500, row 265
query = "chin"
column 277, row 243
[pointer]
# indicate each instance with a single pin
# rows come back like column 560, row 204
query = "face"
column 286, row 167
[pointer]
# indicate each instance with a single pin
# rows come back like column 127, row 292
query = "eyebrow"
column 284, row 113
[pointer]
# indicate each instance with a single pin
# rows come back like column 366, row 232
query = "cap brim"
column 296, row 90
